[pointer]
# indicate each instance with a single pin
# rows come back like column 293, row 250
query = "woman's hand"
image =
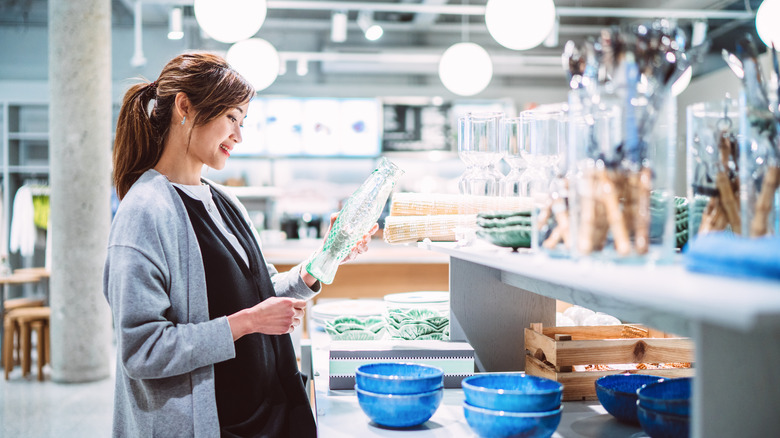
column 360, row 247
column 274, row 316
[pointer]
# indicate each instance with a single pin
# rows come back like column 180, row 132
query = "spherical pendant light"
column 255, row 59
column 229, row 21
column 465, row 69
column 767, row 23
column 520, row 24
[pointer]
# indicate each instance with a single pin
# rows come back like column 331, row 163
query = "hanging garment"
column 41, row 210
column 22, row 224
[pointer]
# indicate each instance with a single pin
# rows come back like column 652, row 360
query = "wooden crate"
column 562, row 353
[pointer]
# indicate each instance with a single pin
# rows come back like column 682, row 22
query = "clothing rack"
column 37, row 187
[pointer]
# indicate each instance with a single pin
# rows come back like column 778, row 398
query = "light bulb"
column 256, row 60
column 766, row 23
column 465, row 69
column 520, row 24
column 229, row 21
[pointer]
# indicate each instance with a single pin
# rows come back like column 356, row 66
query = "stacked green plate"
column 657, row 209
column 511, row 229
column 351, row 328
column 417, row 324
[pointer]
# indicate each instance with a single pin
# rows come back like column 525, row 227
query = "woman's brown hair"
column 211, row 86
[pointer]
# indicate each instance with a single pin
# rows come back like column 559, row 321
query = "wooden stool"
column 25, row 320
column 12, row 304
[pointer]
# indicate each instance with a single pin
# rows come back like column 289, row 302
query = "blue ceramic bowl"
column 663, row 425
column 489, row 423
column 617, row 393
column 671, row 396
column 512, row 392
column 394, row 410
column 398, row 378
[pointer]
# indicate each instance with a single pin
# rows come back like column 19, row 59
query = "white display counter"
column 734, row 323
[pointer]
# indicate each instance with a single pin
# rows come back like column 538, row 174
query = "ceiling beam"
column 449, row 9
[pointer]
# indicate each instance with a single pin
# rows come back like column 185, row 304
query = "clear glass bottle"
column 361, row 210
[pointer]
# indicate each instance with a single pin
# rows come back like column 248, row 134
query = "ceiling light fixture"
column 257, row 60
column 175, row 29
column 229, row 21
column 766, row 23
column 302, row 67
column 520, row 24
column 465, row 69
column 371, row 30
column 699, row 32
column 338, row 26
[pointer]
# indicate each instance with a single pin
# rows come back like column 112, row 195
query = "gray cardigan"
column 155, row 284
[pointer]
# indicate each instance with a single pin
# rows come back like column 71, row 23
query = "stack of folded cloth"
column 724, row 253
column 435, row 216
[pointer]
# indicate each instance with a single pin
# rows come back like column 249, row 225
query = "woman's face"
column 213, row 142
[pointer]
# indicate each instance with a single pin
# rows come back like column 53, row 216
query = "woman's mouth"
column 224, row 148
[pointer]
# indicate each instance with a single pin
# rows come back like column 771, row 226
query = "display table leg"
column 492, row 315
column 737, row 383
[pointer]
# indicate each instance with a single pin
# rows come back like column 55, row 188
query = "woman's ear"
column 182, row 107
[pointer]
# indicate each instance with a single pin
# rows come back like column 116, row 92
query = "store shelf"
column 667, row 297
column 29, row 169
column 339, row 414
column 29, row 136
column 735, row 324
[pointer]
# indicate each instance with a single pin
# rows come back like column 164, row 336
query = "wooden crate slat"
column 623, row 351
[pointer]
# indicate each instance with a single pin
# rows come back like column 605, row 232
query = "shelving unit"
column 734, row 323
column 25, row 158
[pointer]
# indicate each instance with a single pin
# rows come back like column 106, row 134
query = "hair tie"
column 153, row 86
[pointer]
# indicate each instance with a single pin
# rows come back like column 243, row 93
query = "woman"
column 202, row 321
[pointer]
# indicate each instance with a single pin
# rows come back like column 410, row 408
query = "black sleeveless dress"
column 260, row 392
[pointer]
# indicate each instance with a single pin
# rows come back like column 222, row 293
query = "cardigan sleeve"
column 150, row 344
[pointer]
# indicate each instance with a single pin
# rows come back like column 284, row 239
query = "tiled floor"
column 33, row 409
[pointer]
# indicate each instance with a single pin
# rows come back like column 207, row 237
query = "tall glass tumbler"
column 713, row 167
column 513, row 133
column 478, row 148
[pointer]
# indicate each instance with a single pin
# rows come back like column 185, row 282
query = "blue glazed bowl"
column 672, row 396
column 489, row 423
column 394, row 410
column 398, row 378
column 663, row 425
column 617, row 393
column 512, row 392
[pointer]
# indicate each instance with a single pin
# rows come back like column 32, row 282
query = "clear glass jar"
column 759, row 171
column 713, row 167
column 621, row 175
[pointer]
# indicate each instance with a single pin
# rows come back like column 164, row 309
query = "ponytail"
column 137, row 146
column 212, row 88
